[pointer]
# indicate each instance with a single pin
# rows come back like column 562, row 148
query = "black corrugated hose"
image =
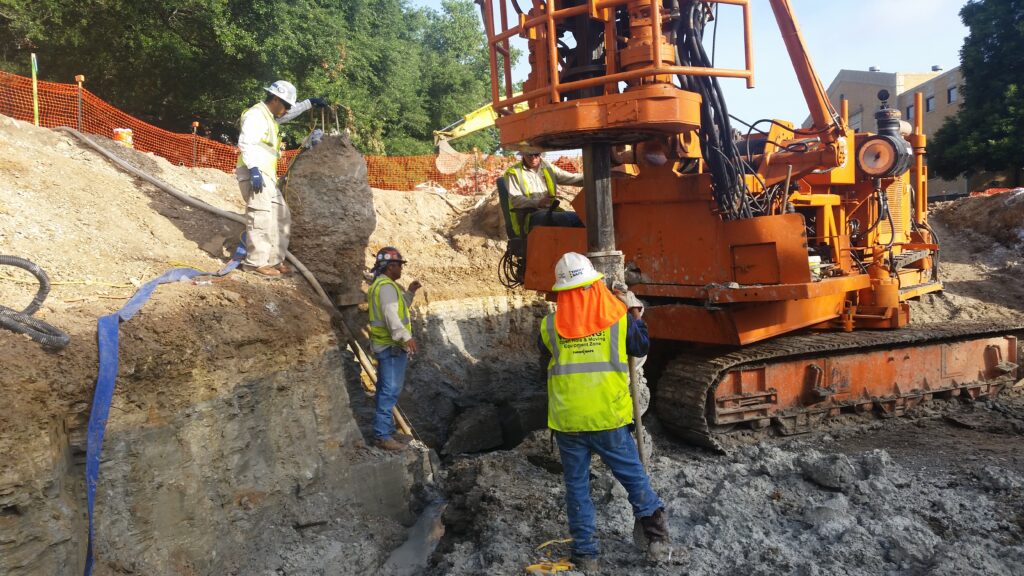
column 23, row 322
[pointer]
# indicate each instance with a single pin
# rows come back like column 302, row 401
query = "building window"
column 951, row 94
column 929, row 104
column 910, row 112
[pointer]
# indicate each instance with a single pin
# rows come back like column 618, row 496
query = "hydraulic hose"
column 23, row 322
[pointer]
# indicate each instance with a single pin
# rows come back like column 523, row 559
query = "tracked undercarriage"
column 794, row 382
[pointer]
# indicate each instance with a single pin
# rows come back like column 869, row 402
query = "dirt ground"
column 938, row 492
column 980, row 265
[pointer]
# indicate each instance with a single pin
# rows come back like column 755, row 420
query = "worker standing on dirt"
column 588, row 338
column 268, row 220
column 392, row 341
column 532, row 190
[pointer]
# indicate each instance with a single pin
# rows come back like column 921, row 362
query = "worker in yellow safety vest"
column 267, row 218
column 532, row 190
column 588, row 339
column 391, row 340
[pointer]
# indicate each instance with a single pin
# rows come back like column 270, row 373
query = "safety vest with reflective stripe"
column 269, row 148
column 379, row 332
column 517, row 171
column 588, row 379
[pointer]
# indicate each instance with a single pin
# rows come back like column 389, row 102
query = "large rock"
column 332, row 215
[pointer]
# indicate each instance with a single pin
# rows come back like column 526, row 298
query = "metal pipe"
column 656, row 32
column 79, row 79
column 597, row 186
column 748, row 53
column 552, row 51
column 920, row 176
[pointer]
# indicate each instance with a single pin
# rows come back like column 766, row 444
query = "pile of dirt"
column 998, row 217
column 983, row 278
column 232, row 444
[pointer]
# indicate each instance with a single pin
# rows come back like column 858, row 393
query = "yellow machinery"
column 482, row 117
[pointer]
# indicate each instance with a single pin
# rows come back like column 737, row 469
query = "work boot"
column 390, row 444
column 403, row 438
column 651, row 533
column 585, row 564
column 268, row 271
column 285, row 268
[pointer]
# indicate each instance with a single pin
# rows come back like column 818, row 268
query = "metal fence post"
column 80, row 79
column 195, row 145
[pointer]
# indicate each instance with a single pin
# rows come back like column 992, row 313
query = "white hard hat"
column 574, row 271
column 284, row 90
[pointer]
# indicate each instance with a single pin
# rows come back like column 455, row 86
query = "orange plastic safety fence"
column 69, row 105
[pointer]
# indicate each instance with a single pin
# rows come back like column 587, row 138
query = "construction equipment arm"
column 823, row 115
column 482, row 117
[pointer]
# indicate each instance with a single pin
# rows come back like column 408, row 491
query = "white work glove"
column 628, row 298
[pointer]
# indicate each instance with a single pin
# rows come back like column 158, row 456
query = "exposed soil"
column 981, row 273
column 236, row 443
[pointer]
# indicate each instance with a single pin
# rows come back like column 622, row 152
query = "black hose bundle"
column 512, row 268
column 718, row 145
column 23, row 322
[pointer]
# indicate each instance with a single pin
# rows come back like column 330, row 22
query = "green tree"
column 988, row 131
column 399, row 72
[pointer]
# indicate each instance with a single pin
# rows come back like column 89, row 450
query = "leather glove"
column 318, row 102
column 628, row 298
column 256, row 180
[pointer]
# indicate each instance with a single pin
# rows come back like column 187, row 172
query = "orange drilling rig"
column 777, row 263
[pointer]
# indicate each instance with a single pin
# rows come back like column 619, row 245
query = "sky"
column 894, row 35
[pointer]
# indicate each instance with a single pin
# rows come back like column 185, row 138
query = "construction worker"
column 588, row 338
column 391, row 339
column 532, row 190
column 268, row 220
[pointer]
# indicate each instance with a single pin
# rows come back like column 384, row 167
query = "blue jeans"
column 618, row 451
column 391, row 365
column 554, row 218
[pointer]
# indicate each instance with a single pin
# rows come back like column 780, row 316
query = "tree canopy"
column 400, row 72
column 988, row 131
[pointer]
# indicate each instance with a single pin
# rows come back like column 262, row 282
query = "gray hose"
column 194, row 202
column 23, row 322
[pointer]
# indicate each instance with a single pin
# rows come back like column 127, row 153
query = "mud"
column 904, row 496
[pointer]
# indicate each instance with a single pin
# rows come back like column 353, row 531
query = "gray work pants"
column 267, row 222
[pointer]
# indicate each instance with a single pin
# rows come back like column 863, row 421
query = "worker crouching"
column 391, row 339
column 589, row 338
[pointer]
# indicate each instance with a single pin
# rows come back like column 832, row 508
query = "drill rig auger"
column 773, row 262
